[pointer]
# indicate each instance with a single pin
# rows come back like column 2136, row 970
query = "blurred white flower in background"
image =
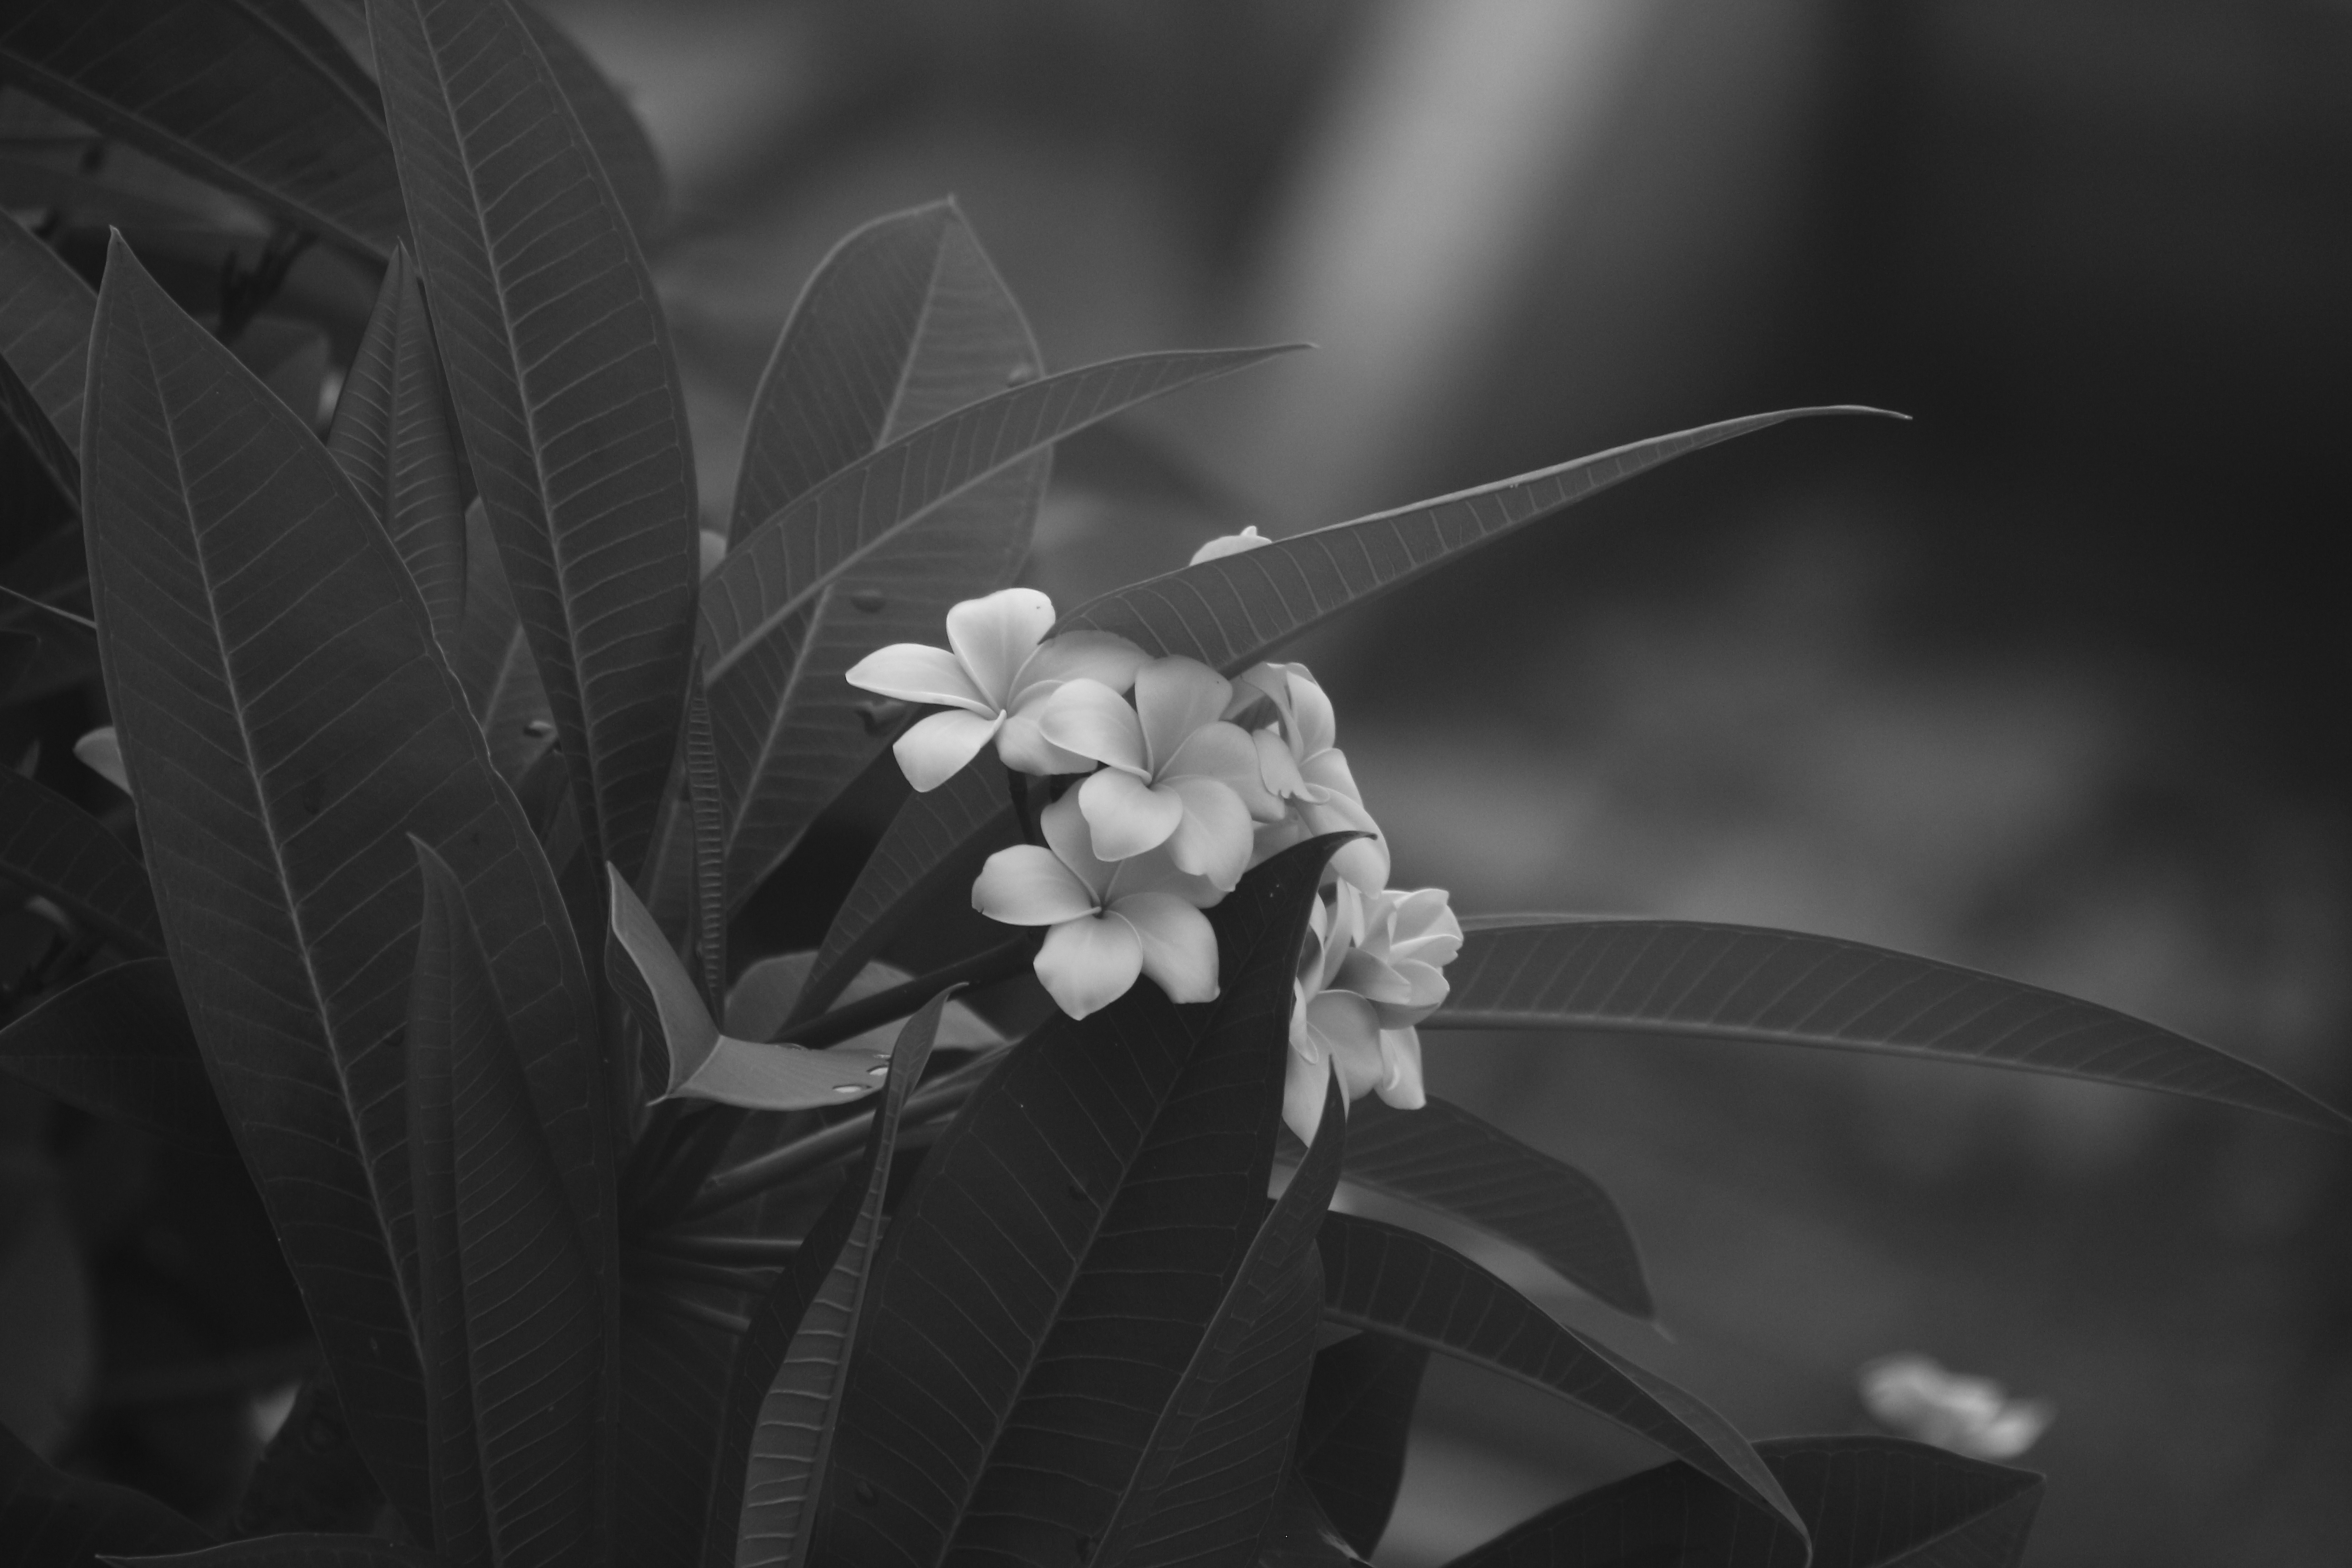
column 1914, row 1397
column 1225, row 544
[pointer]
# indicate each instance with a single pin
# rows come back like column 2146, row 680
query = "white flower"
column 999, row 674
column 1371, row 969
column 1174, row 772
column 1300, row 762
column 1230, row 544
column 1111, row 920
column 1971, row 1415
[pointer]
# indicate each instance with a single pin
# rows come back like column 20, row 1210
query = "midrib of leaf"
column 1093, row 1236
column 883, row 436
column 772, row 734
column 287, row 896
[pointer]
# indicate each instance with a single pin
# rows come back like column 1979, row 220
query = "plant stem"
column 774, row 1168
column 998, row 962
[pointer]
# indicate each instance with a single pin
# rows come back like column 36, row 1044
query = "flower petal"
column 1023, row 745
column 1180, row 947
column 1082, row 655
column 1213, row 834
column 1277, row 768
column 1401, row 1050
column 1310, row 707
column 1230, row 544
column 1029, row 886
column 995, row 636
column 1225, row 752
column 1327, row 774
column 913, row 673
column 936, row 747
column 1091, row 720
column 1088, row 965
column 1174, row 696
column 1126, row 816
column 1304, row 1090
column 1344, row 1025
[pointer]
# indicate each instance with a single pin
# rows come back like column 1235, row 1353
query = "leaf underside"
column 45, row 315
column 1353, row 1431
column 1725, row 982
column 53, row 848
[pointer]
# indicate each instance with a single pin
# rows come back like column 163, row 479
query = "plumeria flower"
column 1174, row 772
column 997, row 672
column 1972, row 1416
column 1301, row 764
column 1371, row 969
column 1111, row 920
column 1230, row 544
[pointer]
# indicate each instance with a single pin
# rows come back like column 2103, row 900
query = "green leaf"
column 21, row 411
column 784, row 1404
column 287, row 717
column 1232, row 612
column 51, row 1520
column 510, row 1314
column 777, row 570
column 566, row 392
column 674, row 1371
column 618, row 138
column 493, row 663
column 1393, row 1282
column 937, row 841
column 1869, row 1502
column 1724, row 982
column 58, row 850
column 391, row 436
column 117, row 1044
column 243, row 94
column 706, row 801
column 904, row 323
column 1352, row 1432
column 1441, row 1158
column 45, row 313
column 705, row 1063
column 294, row 1551
column 1052, row 1272
column 1214, row 1470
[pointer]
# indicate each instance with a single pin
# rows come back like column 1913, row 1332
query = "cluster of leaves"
column 441, row 742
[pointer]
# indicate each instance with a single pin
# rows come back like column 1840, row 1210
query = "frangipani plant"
column 454, row 769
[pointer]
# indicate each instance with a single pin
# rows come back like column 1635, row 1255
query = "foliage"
column 453, row 745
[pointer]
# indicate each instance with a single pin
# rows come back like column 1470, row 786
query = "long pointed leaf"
column 236, row 92
column 904, row 323
column 1724, row 982
column 392, row 439
column 1218, row 1458
column 568, row 398
column 52, row 1520
column 1352, row 1432
column 45, row 310
column 1394, row 1282
column 1231, row 612
column 1869, row 1502
column 501, row 1251
column 778, row 570
column 1050, row 1275
column 45, row 314
column 288, row 720
column 938, row 840
column 54, row 847
column 612, row 129
column 117, row 1044
column 1442, row 1158
column 493, row 661
column 1301, row 1533
column 784, row 1402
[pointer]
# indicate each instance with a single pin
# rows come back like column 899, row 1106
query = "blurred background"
column 2050, row 680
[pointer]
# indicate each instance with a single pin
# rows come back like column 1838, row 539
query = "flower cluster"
column 1172, row 783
